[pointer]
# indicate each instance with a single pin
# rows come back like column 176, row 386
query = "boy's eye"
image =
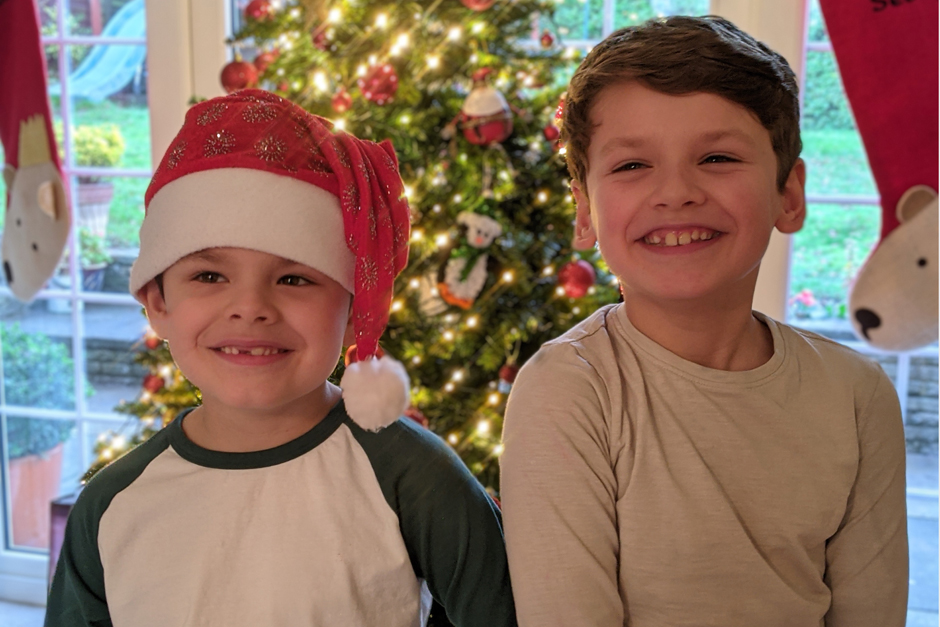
column 209, row 277
column 629, row 166
column 293, row 279
column 718, row 159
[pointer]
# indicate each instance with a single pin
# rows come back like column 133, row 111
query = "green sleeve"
column 77, row 597
column 451, row 526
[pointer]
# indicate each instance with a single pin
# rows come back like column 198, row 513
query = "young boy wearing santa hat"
column 269, row 242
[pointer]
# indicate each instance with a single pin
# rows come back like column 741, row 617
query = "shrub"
column 37, row 372
column 100, row 146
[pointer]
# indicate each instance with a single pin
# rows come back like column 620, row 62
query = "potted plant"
column 37, row 372
column 93, row 258
column 97, row 146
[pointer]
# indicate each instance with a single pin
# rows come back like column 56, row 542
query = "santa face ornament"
column 37, row 217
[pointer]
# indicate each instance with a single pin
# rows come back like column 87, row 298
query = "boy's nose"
column 251, row 305
column 677, row 189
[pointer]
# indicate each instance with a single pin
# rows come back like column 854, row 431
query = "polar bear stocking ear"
column 8, row 173
column 914, row 201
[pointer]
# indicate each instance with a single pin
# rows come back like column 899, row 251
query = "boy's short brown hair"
column 680, row 55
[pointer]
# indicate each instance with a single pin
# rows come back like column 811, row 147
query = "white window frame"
column 186, row 52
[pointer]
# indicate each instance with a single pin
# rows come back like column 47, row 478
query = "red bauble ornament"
column 239, row 74
column 551, row 132
column 485, row 117
column 507, row 376
column 258, row 10
column 478, row 5
column 318, row 37
column 415, row 414
column 341, row 101
column 546, row 39
column 352, row 354
column 263, row 60
column 152, row 342
column 560, row 109
column 576, row 277
column 379, row 83
column 508, row 373
column 153, row 383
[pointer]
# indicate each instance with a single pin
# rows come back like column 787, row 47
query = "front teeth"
column 257, row 352
column 679, row 239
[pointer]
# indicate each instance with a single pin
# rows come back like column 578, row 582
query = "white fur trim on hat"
column 244, row 208
column 376, row 392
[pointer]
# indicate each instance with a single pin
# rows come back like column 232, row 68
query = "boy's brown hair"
column 680, row 55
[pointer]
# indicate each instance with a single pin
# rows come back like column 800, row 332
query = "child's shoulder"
column 585, row 349
column 829, row 353
column 416, row 470
column 107, row 483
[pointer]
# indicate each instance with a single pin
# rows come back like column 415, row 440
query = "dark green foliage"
column 37, row 372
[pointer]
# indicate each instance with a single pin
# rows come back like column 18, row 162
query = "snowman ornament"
column 462, row 278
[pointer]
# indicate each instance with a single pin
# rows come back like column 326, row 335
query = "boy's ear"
column 584, row 236
column 155, row 306
column 794, row 200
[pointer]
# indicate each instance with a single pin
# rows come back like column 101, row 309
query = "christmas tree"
column 469, row 92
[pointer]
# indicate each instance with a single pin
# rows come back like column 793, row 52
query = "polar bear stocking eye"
column 922, row 262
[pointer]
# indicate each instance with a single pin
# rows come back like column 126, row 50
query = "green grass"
column 836, row 163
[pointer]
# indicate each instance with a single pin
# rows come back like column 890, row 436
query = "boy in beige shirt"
column 681, row 459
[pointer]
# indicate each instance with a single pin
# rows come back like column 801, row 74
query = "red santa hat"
column 253, row 170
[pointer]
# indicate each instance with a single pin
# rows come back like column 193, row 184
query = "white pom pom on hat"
column 376, row 392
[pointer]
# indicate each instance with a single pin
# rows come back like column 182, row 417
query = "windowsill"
column 842, row 332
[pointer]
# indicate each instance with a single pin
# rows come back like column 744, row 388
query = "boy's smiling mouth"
column 256, row 351
column 679, row 237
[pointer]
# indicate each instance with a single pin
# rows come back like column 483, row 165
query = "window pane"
column 38, row 370
column 41, row 454
column 630, row 12
column 112, row 333
column 108, row 86
column 108, row 18
column 49, row 17
column 579, row 19
column 817, row 27
column 108, row 212
column 833, row 150
column 827, row 253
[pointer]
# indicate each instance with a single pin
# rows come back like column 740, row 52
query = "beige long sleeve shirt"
column 642, row 489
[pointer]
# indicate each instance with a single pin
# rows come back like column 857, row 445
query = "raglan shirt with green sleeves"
column 340, row 526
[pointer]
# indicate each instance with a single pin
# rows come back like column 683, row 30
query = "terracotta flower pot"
column 94, row 206
column 34, row 483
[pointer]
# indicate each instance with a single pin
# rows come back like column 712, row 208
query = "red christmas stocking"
column 887, row 54
column 37, row 215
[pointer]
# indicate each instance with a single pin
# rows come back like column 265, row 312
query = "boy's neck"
column 723, row 335
column 233, row 430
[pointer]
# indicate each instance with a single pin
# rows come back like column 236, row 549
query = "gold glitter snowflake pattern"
column 343, row 157
column 212, row 113
column 351, row 197
column 373, row 228
column 176, row 154
column 259, row 112
column 364, row 170
column 369, row 273
column 219, row 143
column 271, row 149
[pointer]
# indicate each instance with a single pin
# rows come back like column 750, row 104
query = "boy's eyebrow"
column 621, row 142
column 710, row 136
column 731, row 133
